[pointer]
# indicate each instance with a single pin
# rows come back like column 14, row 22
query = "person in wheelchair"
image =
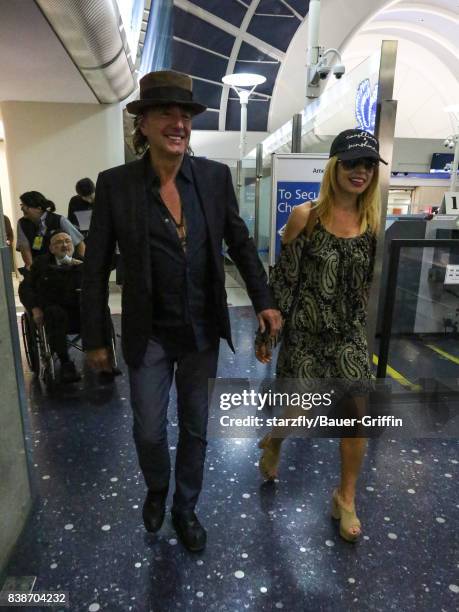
column 50, row 293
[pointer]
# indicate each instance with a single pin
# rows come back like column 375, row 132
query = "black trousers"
column 59, row 322
column 150, row 385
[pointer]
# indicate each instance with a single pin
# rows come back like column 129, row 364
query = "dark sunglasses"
column 351, row 164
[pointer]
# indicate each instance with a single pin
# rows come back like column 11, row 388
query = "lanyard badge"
column 37, row 243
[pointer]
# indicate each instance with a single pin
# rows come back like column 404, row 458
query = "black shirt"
column 77, row 204
column 183, row 308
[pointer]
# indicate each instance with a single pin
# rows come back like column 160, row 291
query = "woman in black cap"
column 321, row 283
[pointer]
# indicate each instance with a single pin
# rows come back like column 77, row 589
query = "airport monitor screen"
column 441, row 162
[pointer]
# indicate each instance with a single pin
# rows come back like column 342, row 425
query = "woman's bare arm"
column 296, row 222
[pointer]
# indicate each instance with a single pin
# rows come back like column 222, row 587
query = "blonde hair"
column 369, row 202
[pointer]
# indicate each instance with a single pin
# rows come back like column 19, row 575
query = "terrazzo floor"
column 271, row 546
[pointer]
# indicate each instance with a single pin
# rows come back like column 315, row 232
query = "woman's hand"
column 263, row 353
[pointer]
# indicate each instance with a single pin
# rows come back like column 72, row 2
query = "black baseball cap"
column 354, row 144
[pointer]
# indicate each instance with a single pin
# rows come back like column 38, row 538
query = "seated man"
column 50, row 294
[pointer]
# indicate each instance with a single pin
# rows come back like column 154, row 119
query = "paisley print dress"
column 324, row 334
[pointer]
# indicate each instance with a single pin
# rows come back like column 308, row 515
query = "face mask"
column 65, row 260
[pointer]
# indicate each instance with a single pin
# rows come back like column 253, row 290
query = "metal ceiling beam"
column 275, row 15
column 229, row 28
column 232, row 62
column 290, row 8
column 195, row 46
column 198, row 78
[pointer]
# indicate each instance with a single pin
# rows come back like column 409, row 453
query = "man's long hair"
column 369, row 202
column 139, row 140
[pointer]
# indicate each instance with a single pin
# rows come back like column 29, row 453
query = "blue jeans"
column 150, row 385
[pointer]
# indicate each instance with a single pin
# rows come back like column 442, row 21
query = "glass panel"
column 246, row 194
column 264, row 222
column 132, row 13
column 157, row 49
column 425, row 323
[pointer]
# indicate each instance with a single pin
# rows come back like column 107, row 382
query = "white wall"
column 49, row 146
column 424, row 197
column 423, row 86
column 5, row 182
column 426, row 74
column 222, row 146
column 414, row 154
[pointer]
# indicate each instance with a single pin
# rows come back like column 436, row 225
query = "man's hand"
column 100, row 360
column 37, row 315
column 270, row 319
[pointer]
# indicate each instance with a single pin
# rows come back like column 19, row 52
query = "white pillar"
column 313, row 32
column 312, row 56
column 243, row 99
column 455, row 164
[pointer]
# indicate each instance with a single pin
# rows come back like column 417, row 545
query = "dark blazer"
column 120, row 215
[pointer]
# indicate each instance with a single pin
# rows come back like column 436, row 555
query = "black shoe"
column 189, row 529
column 108, row 377
column 105, row 378
column 69, row 373
column 153, row 511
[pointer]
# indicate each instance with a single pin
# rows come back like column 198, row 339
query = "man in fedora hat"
column 169, row 213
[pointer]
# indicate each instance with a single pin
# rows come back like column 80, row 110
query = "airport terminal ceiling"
column 269, row 37
column 212, row 38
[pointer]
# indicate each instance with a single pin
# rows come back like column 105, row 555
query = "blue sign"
column 289, row 195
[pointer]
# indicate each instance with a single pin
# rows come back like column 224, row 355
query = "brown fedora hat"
column 165, row 87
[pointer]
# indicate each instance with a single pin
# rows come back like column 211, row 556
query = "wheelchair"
column 39, row 356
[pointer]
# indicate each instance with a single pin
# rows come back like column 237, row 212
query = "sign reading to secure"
column 289, row 195
column 296, row 180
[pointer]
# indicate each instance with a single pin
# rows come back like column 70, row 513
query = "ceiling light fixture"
column 238, row 82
